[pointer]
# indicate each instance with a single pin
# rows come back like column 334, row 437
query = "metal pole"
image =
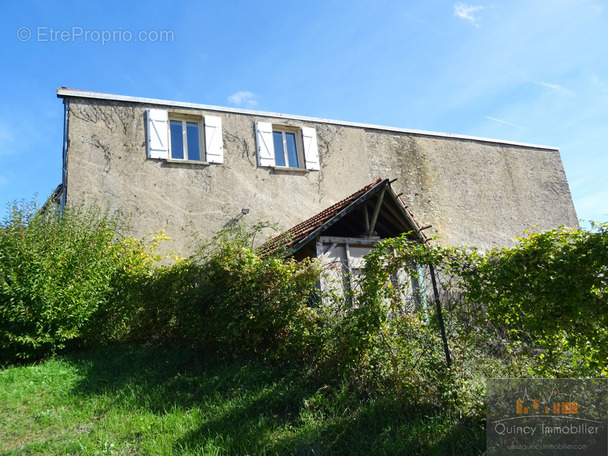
column 446, row 349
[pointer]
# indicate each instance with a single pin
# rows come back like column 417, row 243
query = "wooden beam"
column 376, row 213
column 350, row 240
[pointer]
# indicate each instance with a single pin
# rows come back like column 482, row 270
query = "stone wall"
column 472, row 191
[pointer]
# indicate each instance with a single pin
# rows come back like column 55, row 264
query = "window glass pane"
column 194, row 152
column 177, row 140
column 279, row 154
column 292, row 153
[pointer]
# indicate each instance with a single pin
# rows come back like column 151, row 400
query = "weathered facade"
column 186, row 167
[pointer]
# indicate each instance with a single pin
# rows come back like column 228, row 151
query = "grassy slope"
column 150, row 401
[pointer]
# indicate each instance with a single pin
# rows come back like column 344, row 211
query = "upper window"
column 182, row 137
column 286, row 150
column 287, row 147
column 185, row 139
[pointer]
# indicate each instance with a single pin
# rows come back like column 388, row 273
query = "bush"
column 549, row 293
column 57, row 271
column 168, row 310
column 253, row 303
column 231, row 300
column 536, row 309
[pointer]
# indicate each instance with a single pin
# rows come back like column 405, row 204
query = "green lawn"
column 128, row 400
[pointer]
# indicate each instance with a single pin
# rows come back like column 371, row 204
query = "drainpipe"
column 64, row 171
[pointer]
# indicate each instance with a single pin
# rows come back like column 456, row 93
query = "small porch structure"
column 341, row 235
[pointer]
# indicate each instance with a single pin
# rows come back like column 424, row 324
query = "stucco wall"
column 473, row 192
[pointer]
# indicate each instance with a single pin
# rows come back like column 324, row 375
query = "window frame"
column 297, row 133
column 185, row 119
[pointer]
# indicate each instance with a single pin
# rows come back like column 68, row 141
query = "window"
column 183, row 137
column 281, row 146
column 286, row 148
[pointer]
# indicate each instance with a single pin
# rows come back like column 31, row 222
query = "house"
column 187, row 167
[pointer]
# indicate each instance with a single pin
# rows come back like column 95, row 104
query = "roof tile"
column 302, row 230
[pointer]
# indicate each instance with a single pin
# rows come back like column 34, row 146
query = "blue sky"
column 534, row 71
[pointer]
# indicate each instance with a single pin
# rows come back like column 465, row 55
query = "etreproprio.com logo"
column 44, row 34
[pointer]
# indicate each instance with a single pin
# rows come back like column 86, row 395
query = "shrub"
column 549, row 293
column 231, row 300
column 168, row 309
column 389, row 338
column 56, row 272
column 537, row 308
column 255, row 304
column 135, row 268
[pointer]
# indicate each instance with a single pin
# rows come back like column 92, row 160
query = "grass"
column 134, row 400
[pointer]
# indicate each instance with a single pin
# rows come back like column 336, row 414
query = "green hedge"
column 232, row 301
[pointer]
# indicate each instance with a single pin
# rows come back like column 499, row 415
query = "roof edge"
column 64, row 92
column 374, row 188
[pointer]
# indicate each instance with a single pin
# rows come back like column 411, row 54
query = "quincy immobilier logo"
column 547, row 417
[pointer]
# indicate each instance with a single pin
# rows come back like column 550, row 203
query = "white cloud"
column 243, row 99
column 464, row 11
column 555, row 87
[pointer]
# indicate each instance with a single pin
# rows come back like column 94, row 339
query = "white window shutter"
column 158, row 144
column 265, row 144
column 311, row 149
column 214, row 147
